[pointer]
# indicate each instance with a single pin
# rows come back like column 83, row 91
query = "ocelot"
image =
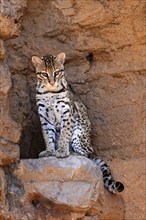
column 64, row 120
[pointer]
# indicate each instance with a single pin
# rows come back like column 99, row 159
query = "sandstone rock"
column 5, row 79
column 68, row 188
column 107, row 204
column 104, row 42
column 132, row 173
column 9, row 130
column 111, row 83
column 81, row 13
column 2, row 50
column 11, row 13
column 9, row 152
column 3, row 191
column 74, row 182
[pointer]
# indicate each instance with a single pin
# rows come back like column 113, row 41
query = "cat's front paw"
column 62, row 152
column 46, row 153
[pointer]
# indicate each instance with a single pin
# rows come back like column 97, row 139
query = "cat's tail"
column 112, row 185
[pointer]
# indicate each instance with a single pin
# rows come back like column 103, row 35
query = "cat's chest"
column 55, row 105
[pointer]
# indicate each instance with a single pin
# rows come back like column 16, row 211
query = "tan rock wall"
column 9, row 129
column 104, row 42
column 132, row 173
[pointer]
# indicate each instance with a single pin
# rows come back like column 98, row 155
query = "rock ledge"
column 50, row 188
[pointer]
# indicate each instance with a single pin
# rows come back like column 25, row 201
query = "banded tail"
column 112, row 185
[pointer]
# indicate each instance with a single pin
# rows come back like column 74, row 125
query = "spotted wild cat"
column 64, row 120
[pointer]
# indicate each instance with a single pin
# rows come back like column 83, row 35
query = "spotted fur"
column 65, row 123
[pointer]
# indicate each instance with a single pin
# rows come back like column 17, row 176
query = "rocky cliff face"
column 104, row 42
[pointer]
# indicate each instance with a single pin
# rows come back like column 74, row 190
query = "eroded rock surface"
column 104, row 42
column 9, row 129
column 2, row 50
column 105, row 66
column 11, row 13
column 132, row 173
column 3, row 192
column 67, row 188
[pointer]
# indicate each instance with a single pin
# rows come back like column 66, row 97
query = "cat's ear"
column 37, row 62
column 61, row 58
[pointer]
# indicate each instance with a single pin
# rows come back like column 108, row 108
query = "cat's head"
column 50, row 71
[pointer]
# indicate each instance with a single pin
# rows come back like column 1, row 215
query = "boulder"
column 74, row 181
column 71, row 187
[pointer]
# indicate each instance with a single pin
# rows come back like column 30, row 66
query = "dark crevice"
column 89, row 57
column 35, row 203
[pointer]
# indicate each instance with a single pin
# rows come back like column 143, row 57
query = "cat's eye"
column 44, row 75
column 56, row 73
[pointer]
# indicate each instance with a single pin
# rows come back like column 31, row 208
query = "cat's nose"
column 52, row 83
